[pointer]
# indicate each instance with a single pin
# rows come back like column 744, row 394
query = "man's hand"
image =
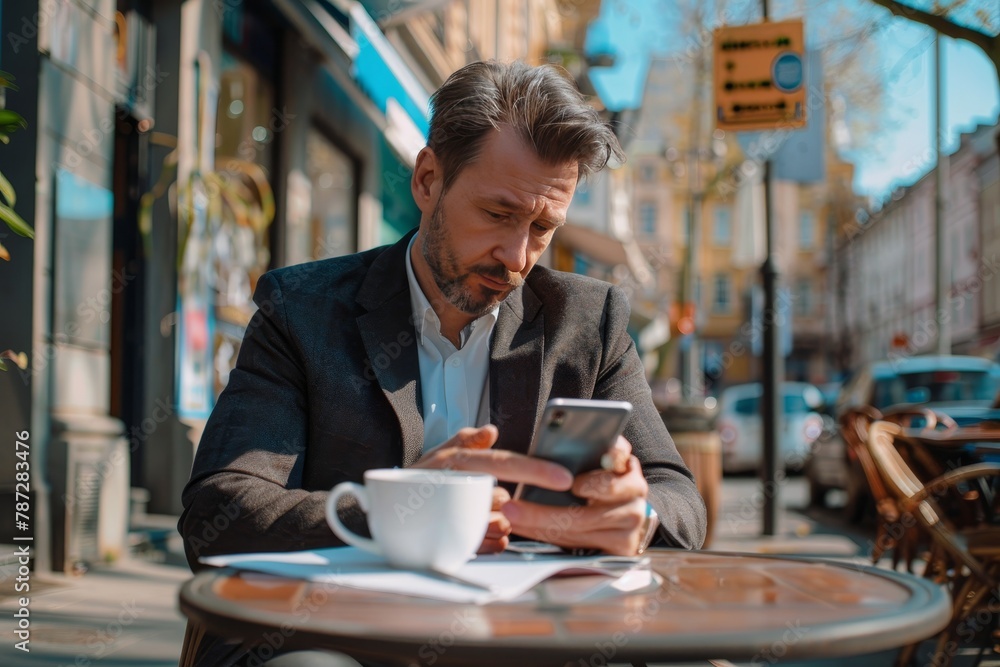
column 498, row 533
column 613, row 519
column 470, row 450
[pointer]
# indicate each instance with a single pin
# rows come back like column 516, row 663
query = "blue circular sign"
column 786, row 72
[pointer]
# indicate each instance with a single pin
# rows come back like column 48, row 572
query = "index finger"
column 483, row 437
column 510, row 467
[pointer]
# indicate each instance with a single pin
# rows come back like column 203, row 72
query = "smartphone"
column 574, row 433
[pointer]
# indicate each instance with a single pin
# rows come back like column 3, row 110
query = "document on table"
column 491, row 578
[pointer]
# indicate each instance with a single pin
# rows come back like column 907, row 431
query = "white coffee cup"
column 419, row 519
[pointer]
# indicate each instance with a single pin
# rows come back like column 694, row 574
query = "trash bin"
column 692, row 426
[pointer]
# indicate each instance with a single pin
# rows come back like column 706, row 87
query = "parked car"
column 962, row 387
column 740, row 429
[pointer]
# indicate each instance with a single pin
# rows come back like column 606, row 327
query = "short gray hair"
column 541, row 105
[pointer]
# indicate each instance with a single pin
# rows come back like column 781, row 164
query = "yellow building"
column 726, row 196
column 438, row 38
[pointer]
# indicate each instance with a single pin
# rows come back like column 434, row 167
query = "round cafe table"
column 710, row 605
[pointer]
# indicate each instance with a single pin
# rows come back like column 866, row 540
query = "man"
column 442, row 350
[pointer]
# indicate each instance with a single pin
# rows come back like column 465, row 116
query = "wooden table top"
column 711, row 605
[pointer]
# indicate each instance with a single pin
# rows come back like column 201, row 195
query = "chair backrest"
column 904, row 484
column 855, row 424
column 899, row 479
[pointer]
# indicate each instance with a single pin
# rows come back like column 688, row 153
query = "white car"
column 740, row 427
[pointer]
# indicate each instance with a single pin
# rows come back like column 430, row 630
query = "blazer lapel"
column 390, row 341
column 516, row 370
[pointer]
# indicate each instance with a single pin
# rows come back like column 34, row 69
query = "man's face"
column 483, row 236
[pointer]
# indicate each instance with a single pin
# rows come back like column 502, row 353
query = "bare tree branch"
column 990, row 44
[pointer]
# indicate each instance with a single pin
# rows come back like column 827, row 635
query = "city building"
column 685, row 171
column 888, row 263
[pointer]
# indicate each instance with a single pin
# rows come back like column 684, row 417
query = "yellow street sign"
column 759, row 76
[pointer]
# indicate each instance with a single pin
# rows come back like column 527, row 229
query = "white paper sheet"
column 505, row 576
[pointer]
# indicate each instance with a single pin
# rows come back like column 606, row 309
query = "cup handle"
column 338, row 527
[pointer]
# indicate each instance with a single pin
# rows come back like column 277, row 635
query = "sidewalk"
column 740, row 523
column 123, row 614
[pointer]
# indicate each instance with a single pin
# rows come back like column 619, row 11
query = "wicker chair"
column 966, row 558
column 896, row 532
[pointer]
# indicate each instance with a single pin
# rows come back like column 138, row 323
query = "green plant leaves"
column 10, row 121
column 7, row 80
column 7, row 191
column 16, row 222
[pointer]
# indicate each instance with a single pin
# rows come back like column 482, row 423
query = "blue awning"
column 381, row 73
column 362, row 59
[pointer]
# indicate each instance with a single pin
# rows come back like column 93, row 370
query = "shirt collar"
column 424, row 317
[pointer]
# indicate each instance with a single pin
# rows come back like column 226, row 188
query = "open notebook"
column 492, row 578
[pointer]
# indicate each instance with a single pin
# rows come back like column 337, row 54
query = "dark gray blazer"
column 327, row 385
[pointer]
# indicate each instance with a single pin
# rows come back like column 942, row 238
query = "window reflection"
column 247, row 119
column 331, row 175
column 246, row 125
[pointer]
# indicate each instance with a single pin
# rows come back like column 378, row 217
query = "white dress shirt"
column 453, row 381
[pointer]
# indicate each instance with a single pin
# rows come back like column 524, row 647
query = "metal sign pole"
column 942, row 270
column 772, row 367
column 771, row 359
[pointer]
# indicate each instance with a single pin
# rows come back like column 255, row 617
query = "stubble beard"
column 455, row 285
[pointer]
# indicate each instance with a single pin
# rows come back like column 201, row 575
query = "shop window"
column 723, row 298
column 807, row 230
column 247, row 117
column 331, row 173
column 247, row 123
column 647, row 218
column 803, row 298
column 723, row 226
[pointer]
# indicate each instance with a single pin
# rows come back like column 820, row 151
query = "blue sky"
column 634, row 29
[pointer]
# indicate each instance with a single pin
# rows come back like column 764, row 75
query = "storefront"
column 316, row 127
column 177, row 150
